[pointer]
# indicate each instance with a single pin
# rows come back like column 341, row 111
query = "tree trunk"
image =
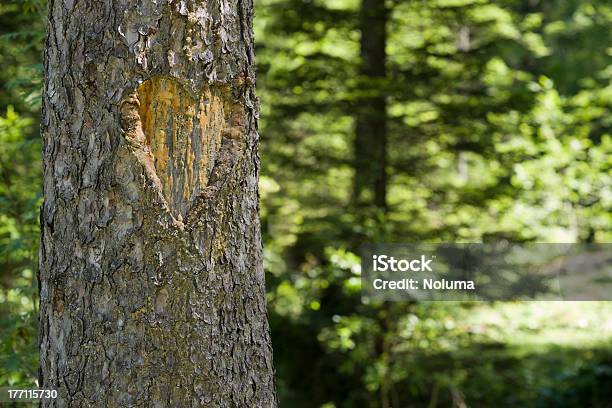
column 151, row 279
column 370, row 182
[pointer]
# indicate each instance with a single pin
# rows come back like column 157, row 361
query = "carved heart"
column 184, row 134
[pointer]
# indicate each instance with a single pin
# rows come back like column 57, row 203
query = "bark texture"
column 151, row 279
column 370, row 182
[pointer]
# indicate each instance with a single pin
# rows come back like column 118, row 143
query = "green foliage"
column 19, row 233
column 498, row 128
column 21, row 43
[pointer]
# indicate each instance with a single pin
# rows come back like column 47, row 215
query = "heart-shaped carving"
column 184, row 134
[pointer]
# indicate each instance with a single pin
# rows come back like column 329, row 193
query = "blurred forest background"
column 396, row 121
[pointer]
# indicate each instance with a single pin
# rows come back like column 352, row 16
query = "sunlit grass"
column 544, row 324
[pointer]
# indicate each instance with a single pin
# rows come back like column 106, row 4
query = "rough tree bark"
column 151, row 281
column 370, row 181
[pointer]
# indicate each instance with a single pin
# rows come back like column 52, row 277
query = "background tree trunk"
column 151, row 279
column 370, row 182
